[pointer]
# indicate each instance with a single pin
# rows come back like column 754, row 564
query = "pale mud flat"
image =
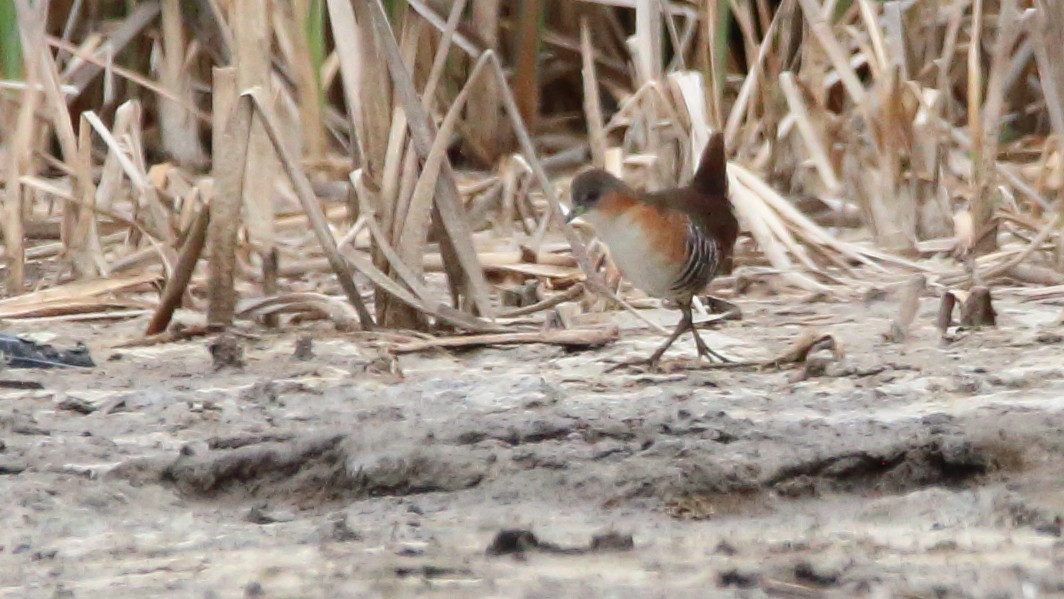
column 906, row 470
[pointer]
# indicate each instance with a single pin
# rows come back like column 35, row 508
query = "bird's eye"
column 591, row 197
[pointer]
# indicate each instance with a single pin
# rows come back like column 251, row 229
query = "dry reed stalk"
column 251, row 27
column 19, row 156
column 157, row 220
column 448, row 204
column 486, row 136
column 180, row 130
column 398, row 180
column 47, row 187
column 369, row 83
column 574, row 292
column 743, row 16
column 111, row 173
column 410, row 221
column 987, row 121
column 307, row 199
column 74, row 218
column 809, row 133
column 975, row 83
column 691, row 92
column 416, row 219
column 118, row 72
column 440, row 57
column 752, row 83
column 76, row 297
column 648, row 38
column 384, row 246
column 878, row 60
column 349, row 40
column 84, row 244
column 1049, row 54
column 339, row 312
column 170, row 298
column 752, row 212
column 297, row 15
column 592, row 104
column 825, row 37
column 526, row 62
column 224, row 93
column 139, row 19
column 401, row 167
column 713, row 62
column 573, row 338
column 229, row 180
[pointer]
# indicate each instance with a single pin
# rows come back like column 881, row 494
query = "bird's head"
column 589, row 190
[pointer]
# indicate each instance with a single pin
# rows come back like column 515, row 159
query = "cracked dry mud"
column 912, row 470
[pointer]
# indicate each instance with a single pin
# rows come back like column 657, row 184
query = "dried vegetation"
column 403, row 164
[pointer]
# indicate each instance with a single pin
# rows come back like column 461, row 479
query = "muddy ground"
column 904, row 470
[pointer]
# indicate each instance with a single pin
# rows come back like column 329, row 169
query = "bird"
column 669, row 243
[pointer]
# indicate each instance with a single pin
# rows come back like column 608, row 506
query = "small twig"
column 572, row 338
column 570, row 294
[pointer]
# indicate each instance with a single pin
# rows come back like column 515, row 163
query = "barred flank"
column 703, row 257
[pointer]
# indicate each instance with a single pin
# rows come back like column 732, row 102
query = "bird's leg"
column 703, row 349
column 686, row 324
column 681, row 328
column 653, row 362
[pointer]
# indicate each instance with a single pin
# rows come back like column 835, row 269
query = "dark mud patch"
column 705, row 487
column 316, row 471
column 262, row 470
column 946, row 461
column 518, row 541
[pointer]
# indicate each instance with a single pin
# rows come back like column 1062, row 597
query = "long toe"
column 644, row 365
column 707, row 352
column 712, row 355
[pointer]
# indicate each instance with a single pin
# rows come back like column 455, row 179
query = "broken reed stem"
column 83, row 240
column 311, row 206
column 229, row 171
column 170, row 299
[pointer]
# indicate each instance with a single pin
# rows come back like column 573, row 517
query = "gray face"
column 588, row 188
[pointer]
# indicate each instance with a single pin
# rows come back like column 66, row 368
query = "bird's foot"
column 640, row 365
column 704, row 351
column 713, row 356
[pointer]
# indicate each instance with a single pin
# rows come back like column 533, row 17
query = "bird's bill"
column 574, row 213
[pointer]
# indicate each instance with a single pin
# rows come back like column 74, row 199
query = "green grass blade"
column 10, row 45
column 315, row 29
